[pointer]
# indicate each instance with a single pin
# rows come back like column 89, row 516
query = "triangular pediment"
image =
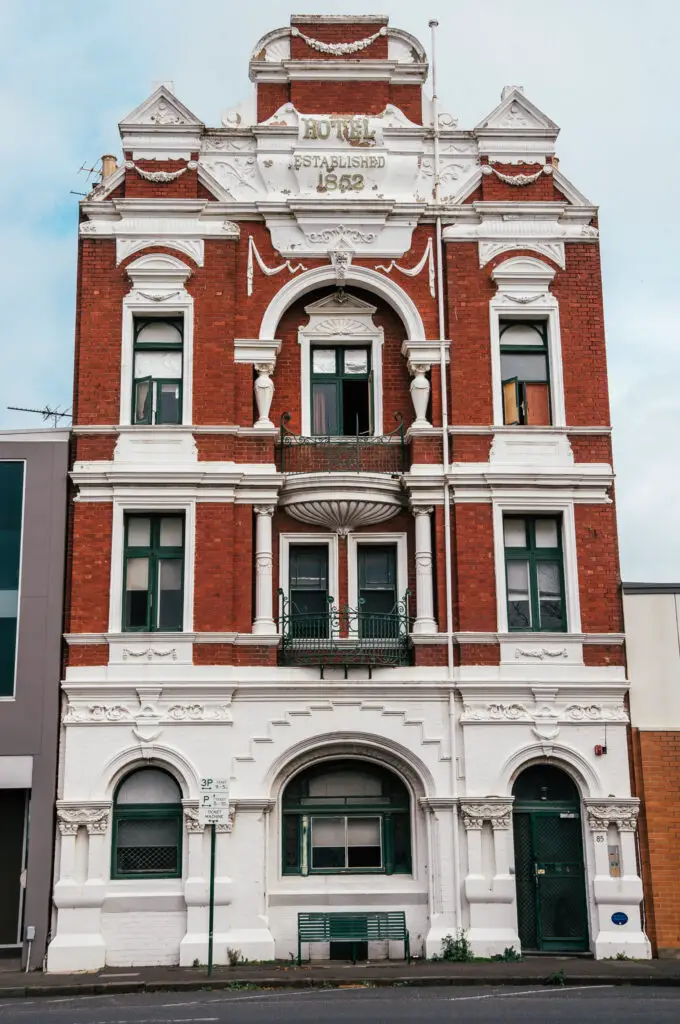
column 340, row 303
column 161, row 110
column 516, row 113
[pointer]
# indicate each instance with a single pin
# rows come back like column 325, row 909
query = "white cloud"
column 605, row 71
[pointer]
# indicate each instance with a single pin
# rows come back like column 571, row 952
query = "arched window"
column 346, row 817
column 147, row 826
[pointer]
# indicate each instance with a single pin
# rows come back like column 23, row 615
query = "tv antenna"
column 46, row 412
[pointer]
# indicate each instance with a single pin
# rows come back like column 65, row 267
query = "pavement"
column 355, row 1004
column 532, row 971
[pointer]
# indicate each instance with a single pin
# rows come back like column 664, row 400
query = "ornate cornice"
column 622, row 813
column 93, row 817
column 475, row 813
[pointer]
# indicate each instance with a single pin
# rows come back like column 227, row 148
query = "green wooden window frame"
column 535, row 556
column 376, row 597
column 150, row 813
column 11, row 528
column 153, row 412
column 392, row 812
column 519, row 383
column 336, row 381
column 156, row 555
column 308, row 603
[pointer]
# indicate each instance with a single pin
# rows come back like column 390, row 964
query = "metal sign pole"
column 211, row 913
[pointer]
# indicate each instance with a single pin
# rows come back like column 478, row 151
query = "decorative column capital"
column 265, row 369
column 475, row 813
column 422, row 510
column 94, row 818
column 622, row 813
column 264, row 510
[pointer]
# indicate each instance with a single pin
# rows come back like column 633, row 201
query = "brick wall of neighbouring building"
column 656, row 775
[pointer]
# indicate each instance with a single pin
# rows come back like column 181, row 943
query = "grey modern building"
column 33, row 475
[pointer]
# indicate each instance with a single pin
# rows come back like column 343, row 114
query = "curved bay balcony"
column 342, row 483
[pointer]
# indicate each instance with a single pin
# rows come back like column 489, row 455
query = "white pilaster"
column 425, row 621
column 491, row 897
column 264, row 569
column 619, row 895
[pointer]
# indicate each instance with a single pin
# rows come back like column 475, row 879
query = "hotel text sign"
column 339, row 163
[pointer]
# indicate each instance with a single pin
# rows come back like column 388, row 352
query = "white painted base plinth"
column 492, row 941
column 633, row 944
column 67, row 953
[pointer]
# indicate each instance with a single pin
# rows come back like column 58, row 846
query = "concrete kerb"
column 91, row 988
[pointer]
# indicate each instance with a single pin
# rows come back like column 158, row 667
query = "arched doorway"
column 549, row 868
column 346, row 817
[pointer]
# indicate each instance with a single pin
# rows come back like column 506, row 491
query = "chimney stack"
column 108, row 166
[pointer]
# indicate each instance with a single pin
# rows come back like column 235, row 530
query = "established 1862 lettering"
column 356, row 131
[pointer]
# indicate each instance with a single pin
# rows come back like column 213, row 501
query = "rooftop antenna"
column 46, row 412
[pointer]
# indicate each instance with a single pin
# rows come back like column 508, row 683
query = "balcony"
column 345, row 637
column 342, row 483
column 361, row 454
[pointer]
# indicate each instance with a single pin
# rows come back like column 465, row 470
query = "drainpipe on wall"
column 447, row 497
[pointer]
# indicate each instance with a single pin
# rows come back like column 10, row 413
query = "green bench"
column 372, row 926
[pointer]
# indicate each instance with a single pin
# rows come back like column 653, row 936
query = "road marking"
column 159, row 1020
column 133, row 975
column 546, row 990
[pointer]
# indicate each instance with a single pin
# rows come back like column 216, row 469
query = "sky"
column 604, row 70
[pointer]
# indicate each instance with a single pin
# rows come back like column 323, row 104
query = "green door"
column 551, row 896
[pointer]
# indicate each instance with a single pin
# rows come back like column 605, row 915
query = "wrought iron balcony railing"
column 327, row 454
column 345, row 636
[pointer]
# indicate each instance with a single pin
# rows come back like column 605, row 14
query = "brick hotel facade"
column 343, row 527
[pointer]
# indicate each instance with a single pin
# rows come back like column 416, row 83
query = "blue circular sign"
column 619, row 918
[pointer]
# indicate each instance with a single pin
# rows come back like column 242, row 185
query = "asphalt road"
column 604, row 1004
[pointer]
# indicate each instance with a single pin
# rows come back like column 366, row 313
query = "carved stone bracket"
column 623, row 814
column 341, row 259
column 93, row 818
column 497, row 811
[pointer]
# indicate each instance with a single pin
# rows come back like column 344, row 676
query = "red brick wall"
column 578, row 289
column 656, row 779
column 469, row 291
column 474, row 591
column 101, row 287
column 90, row 568
column 598, row 562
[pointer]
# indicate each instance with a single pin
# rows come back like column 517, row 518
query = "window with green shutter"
column 154, row 572
column 534, row 573
column 11, row 517
column 308, row 590
column 377, row 565
column 524, row 372
column 341, row 391
column 157, row 388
